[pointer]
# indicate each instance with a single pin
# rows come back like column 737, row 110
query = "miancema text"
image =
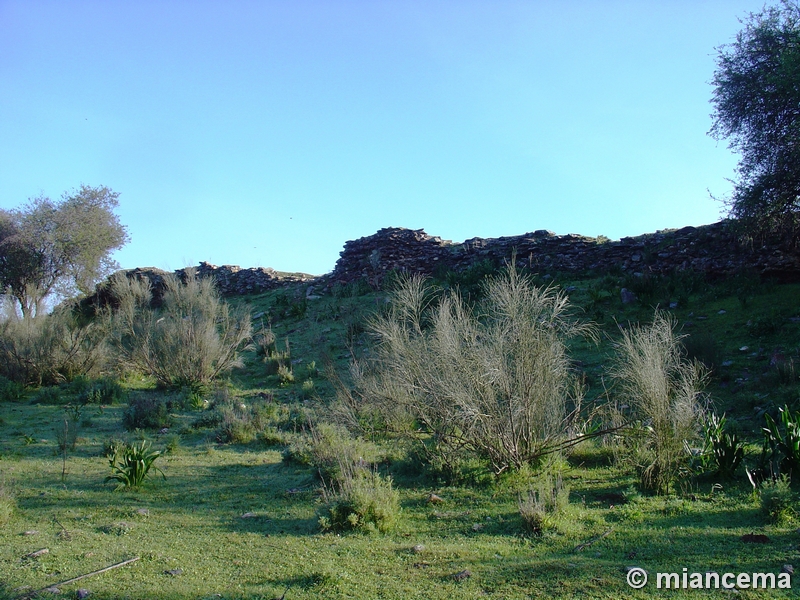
column 726, row 580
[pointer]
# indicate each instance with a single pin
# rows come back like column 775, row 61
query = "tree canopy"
column 61, row 247
column 757, row 107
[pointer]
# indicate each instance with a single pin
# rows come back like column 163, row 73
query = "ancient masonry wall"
column 713, row 250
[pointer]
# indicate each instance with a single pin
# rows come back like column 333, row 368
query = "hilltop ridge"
column 714, row 250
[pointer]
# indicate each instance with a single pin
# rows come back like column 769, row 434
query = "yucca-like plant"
column 784, row 441
column 722, row 451
column 131, row 463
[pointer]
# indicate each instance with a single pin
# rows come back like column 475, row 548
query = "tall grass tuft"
column 7, row 504
column 663, row 389
column 543, row 504
column 189, row 341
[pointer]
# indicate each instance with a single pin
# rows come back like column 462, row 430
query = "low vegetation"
column 516, row 438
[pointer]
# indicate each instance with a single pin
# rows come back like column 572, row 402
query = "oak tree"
column 756, row 99
column 58, row 248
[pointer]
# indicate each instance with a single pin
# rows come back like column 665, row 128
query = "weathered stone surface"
column 712, row 250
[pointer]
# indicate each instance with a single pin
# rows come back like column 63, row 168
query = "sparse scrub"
column 495, row 381
column 111, row 446
column 541, row 507
column 146, row 410
column 663, row 389
column 286, row 375
column 265, row 343
column 104, row 391
column 7, row 504
column 277, row 360
column 192, row 339
column 327, row 447
column 361, row 500
column 779, row 502
column 307, row 389
column 66, row 428
column 704, row 348
column 49, row 348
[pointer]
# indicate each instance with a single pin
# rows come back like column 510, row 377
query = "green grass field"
column 237, row 520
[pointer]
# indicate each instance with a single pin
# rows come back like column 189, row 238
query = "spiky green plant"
column 131, row 463
column 784, row 441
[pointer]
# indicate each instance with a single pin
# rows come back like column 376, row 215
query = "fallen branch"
column 78, row 578
column 591, row 541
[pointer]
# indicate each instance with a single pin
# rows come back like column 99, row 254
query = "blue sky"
column 269, row 133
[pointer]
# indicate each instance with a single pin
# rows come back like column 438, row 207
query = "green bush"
column 104, row 391
column 328, row 447
column 48, row 395
column 146, row 411
column 361, row 500
column 240, row 420
column 778, row 501
column 192, row 339
column 131, row 464
column 237, row 426
column 11, row 391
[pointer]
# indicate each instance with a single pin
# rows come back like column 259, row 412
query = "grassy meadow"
column 237, row 511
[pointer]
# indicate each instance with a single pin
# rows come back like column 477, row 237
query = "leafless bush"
column 189, row 341
column 494, row 381
column 662, row 388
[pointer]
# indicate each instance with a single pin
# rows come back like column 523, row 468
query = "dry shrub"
column 332, row 450
column 189, row 341
column 49, row 348
column 662, row 388
column 494, row 381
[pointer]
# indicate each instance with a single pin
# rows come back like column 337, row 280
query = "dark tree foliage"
column 757, row 107
column 59, row 247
